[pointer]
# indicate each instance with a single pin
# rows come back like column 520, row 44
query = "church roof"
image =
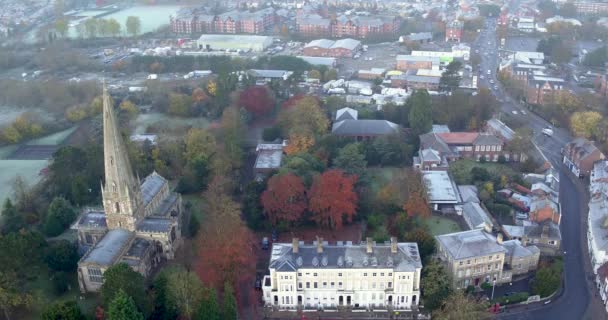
column 108, row 249
column 155, row 225
column 151, row 187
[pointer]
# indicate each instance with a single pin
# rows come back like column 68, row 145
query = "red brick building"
column 580, row 156
column 313, row 25
column 197, row 21
column 458, row 145
column 453, row 31
column 364, row 27
column 408, row 62
column 540, row 88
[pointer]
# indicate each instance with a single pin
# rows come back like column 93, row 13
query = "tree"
column 113, row 27
column 164, row 307
column 420, row 117
column 229, row 310
column 19, row 250
column 232, row 130
column 459, row 306
column 450, row 79
column 546, row 281
column 62, row 256
column 91, row 27
column 11, row 296
column 122, row 307
column 13, row 220
column 59, row 217
column 425, row 241
column 585, row 124
column 351, row 160
column 61, row 26
column 257, row 100
column 179, row 104
column 330, row 74
column 133, row 25
column 332, row 198
column 185, row 289
column 284, row 198
column 597, row 57
column 299, row 143
column 304, row 117
column 314, row 74
column 129, row 107
column 436, row 285
column 120, row 277
column 199, row 143
column 66, row 310
column 416, row 205
column 208, row 308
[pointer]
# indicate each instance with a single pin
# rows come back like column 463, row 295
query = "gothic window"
column 116, row 207
column 113, row 187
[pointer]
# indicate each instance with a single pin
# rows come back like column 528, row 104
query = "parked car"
column 265, row 243
column 274, row 236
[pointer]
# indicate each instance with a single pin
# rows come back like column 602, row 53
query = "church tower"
column 122, row 199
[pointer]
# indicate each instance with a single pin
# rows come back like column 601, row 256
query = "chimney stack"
column 499, row 238
column 370, row 244
column 319, row 245
column 393, row 245
column 295, row 245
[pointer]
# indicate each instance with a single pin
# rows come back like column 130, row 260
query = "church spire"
column 121, row 193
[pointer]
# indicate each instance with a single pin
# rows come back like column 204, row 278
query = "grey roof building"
column 469, row 244
column 362, row 129
column 476, row 217
column 328, row 275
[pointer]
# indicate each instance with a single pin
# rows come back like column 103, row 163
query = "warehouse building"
column 329, row 48
column 233, row 42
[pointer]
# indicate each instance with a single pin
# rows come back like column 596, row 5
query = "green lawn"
column 461, row 170
column 41, row 287
column 441, row 225
column 54, row 139
column 7, row 151
column 164, row 123
column 10, row 169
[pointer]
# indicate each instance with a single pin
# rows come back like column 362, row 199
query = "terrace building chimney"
column 295, row 245
column 370, row 245
column 393, row 245
column 319, row 245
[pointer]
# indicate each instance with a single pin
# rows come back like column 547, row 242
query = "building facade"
column 140, row 223
column 580, row 155
column 198, row 21
column 453, row 31
column 320, row 275
column 540, row 89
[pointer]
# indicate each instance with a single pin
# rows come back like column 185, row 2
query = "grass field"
column 441, row 225
column 9, row 169
column 461, row 170
column 163, row 123
column 53, row 139
column 7, row 151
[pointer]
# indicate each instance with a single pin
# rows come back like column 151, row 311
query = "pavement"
column 579, row 299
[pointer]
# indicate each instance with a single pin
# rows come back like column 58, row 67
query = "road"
column 575, row 301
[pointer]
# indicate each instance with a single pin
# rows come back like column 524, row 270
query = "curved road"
column 575, row 300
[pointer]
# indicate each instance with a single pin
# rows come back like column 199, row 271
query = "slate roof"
column 431, row 140
column 501, row 128
column 346, row 114
column 475, row 216
column 107, row 250
column 94, row 219
column 350, row 44
column 536, row 231
column 159, row 225
column 270, row 73
column 430, row 155
column 440, row 128
column 468, row 193
column 364, row 128
column 485, row 139
column 151, row 186
column 344, row 255
column 469, row 244
column 513, row 231
column 420, row 36
column 321, row 43
column 517, row 250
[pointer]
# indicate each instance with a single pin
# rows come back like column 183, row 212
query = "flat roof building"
column 233, row 42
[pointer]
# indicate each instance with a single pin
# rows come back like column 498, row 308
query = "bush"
column 375, row 221
column 480, row 174
column 60, row 283
column 62, row 256
column 486, row 285
column 470, row 289
column 271, row 134
column 381, row 235
column 193, row 226
column 59, row 217
column 502, row 159
column 515, row 298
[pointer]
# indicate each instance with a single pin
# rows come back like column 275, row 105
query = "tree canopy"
column 121, row 278
column 284, row 198
column 332, row 199
column 122, row 307
column 421, row 116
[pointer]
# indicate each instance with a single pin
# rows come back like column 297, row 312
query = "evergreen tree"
column 13, row 220
column 208, row 309
column 67, row 310
column 351, row 160
column 421, row 116
column 229, row 311
column 123, row 307
column 121, row 277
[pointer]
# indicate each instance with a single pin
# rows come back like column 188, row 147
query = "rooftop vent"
column 365, row 262
column 374, row 262
column 324, row 261
column 299, row 261
column 349, row 262
column 389, row 262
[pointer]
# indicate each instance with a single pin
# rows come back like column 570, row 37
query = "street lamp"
column 493, row 285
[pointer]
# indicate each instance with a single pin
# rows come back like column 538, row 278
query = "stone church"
column 140, row 223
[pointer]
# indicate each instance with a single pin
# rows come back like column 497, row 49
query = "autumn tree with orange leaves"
column 302, row 121
column 284, row 199
column 332, row 198
column 223, row 256
column 416, row 205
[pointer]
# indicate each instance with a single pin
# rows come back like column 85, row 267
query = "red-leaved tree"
column 416, row 205
column 332, row 198
column 257, row 100
column 284, row 198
